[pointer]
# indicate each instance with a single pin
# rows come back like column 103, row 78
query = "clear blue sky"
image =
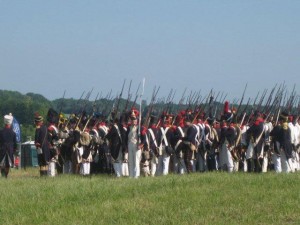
column 47, row 47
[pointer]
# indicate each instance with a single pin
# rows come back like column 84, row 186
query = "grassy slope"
column 210, row 198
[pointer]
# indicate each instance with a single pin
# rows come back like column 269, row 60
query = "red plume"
column 226, row 107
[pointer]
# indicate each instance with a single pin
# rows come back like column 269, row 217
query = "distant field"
column 207, row 198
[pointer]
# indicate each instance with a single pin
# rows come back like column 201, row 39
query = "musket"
column 268, row 103
column 171, row 102
column 205, row 105
column 83, row 108
column 73, row 107
column 128, row 98
column 60, row 110
column 109, row 115
column 100, row 97
column 182, row 97
column 197, row 100
column 261, row 99
column 119, row 99
column 136, row 96
column 279, row 106
column 247, row 104
column 275, row 103
column 179, row 104
column 165, row 108
column 276, row 100
column 85, row 102
column 106, row 102
column 140, row 115
column 224, row 98
column 243, row 118
column 241, row 101
column 151, row 105
column 290, row 101
column 189, row 100
column 216, row 104
column 208, row 100
column 61, row 104
column 253, row 105
column 92, row 114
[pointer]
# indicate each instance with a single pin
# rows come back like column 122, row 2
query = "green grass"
column 206, row 198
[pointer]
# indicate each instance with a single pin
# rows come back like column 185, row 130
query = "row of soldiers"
column 183, row 143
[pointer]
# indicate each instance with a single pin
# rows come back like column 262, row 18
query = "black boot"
column 3, row 173
column 250, row 165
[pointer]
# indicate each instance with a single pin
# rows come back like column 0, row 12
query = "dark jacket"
column 8, row 143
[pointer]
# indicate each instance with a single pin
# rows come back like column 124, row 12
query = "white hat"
column 8, row 119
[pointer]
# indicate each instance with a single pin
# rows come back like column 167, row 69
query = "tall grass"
column 200, row 198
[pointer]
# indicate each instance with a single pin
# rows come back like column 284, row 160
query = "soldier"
column 202, row 132
column 165, row 135
column 104, row 154
column 275, row 147
column 295, row 141
column 95, row 142
column 52, row 118
column 151, row 145
column 178, row 162
column 227, row 138
column 285, row 140
column 42, row 144
column 255, row 150
column 84, row 148
column 115, row 137
column 134, row 142
column 298, row 145
column 8, row 145
column 268, row 127
column 124, row 123
column 189, row 144
column 67, row 147
column 243, row 146
column 211, row 146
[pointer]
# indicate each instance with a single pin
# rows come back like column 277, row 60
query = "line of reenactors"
column 190, row 140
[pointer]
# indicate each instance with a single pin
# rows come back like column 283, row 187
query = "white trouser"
column 250, row 154
column 85, row 168
column 277, row 162
column 286, row 164
column 118, row 164
column 226, row 162
column 245, row 165
column 202, row 161
column 125, row 170
column 118, row 168
column 235, row 166
column 297, row 162
column 265, row 164
column 67, row 168
column 51, row 169
column 134, row 159
column 179, row 166
column 153, row 165
column 163, row 163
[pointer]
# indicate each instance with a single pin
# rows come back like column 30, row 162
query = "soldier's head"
column 188, row 121
column 283, row 118
column 38, row 119
column 8, row 120
column 134, row 116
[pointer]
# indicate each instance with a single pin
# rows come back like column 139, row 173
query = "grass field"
column 200, row 198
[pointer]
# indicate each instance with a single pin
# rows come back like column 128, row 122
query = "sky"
column 48, row 47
